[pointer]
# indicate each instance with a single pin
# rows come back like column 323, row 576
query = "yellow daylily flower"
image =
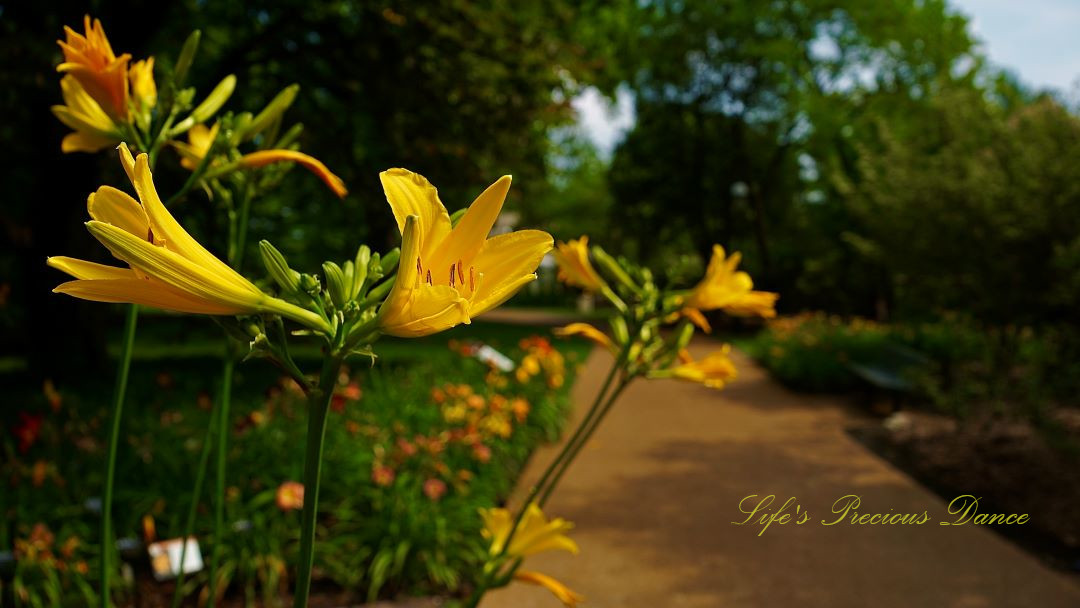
column 90, row 59
column 727, row 289
column 200, row 138
column 569, row 598
column 587, row 331
column 535, row 533
column 94, row 129
column 168, row 268
column 143, row 87
column 449, row 274
column 574, row 266
column 714, row 371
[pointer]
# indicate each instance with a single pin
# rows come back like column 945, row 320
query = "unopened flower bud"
column 335, row 283
column 686, row 332
column 290, row 136
column 613, row 268
column 390, row 260
column 619, row 330
column 363, row 260
column 272, row 111
column 214, row 100
column 287, row 278
column 186, row 58
column 310, row 284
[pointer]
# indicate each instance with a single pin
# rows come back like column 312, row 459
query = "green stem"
column 318, row 404
column 222, row 450
column 189, row 525
column 576, row 449
column 119, row 393
column 242, row 227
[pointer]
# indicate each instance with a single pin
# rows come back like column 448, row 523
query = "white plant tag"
column 493, row 357
column 165, row 558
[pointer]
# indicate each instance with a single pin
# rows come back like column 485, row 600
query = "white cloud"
column 1036, row 39
column 604, row 122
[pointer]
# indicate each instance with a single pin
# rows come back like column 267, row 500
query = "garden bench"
column 888, row 370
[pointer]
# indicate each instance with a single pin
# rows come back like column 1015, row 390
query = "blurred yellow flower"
column 200, row 138
column 714, row 371
column 94, row 129
column 569, row 598
column 587, row 331
column 143, row 86
column 535, row 533
column 169, row 269
column 449, row 274
column 90, row 59
column 574, row 266
column 727, row 289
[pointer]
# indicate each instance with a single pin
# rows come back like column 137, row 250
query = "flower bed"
column 415, row 447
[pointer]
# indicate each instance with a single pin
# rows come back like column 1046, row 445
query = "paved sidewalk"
column 655, row 492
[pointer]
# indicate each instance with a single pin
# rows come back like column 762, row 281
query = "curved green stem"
column 576, row 449
column 318, row 404
column 567, row 448
column 119, row 393
column 539, row 486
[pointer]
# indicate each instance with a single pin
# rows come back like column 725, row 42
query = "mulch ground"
column 1011, row 466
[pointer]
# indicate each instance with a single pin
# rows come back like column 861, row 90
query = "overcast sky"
column 1038, row 40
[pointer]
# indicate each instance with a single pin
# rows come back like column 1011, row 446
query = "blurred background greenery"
column 865, row 157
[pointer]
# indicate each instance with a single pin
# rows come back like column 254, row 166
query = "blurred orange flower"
column 290, row 496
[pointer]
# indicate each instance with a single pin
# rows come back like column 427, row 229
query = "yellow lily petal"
column 143, row 86
column 499, row 293
column 116, row 207
column 79, row 102
column 569, row 598
column 697, row 318
column 81, row 141
column 266, row 157
column 80, row 122
column 574, row 266
column 587, row 331
column 714, row 371
column 411, row 194
column 143, row 293
column 508, row 262
column 468, row 237
column 81, row 269
column 177, row 270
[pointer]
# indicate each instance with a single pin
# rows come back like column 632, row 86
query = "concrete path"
column 655, row 492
